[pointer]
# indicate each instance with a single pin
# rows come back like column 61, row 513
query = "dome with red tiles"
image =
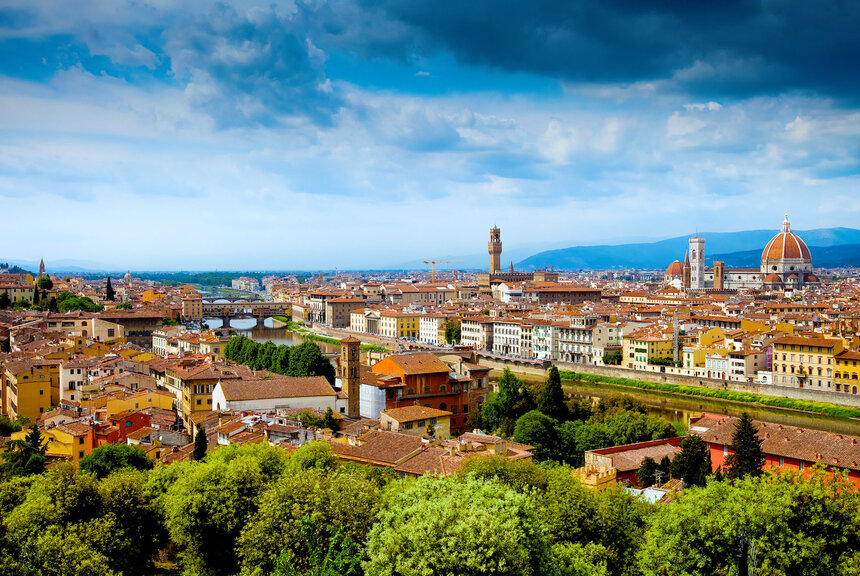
column 786, row 246
column 675, row 269
column 772, row 279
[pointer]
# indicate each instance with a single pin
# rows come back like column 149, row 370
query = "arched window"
column 411, row 391
column 443, row 406
column 442, row 388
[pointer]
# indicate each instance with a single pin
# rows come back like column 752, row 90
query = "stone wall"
column 764, row 390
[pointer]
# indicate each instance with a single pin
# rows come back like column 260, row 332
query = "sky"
column 368, row 134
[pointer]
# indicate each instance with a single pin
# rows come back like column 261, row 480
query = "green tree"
column 612, row 358
column 693, row 463
column 5, row 301
column 575, row 515
column 551, row 400
column 7, row 426
column 207, row 504
column 521, row 475
column 501, row 411
column 329, row 421
column 25, row 456
column 71, row 523
column 339, row 557
column 799, row 527
column 540, row 431
column 110, row 294
column 647, row 472
column 314, row 456
column 331, row 502
column 110, row 458
column 201, row 444
column 45, row 283
column 456, row 526
column 453, row 331
column 747, row 458
column 307, row 359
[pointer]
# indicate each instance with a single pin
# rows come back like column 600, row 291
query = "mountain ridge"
column 659, row 254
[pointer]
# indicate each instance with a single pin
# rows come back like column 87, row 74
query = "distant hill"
column 840, row 256
column 719, row 245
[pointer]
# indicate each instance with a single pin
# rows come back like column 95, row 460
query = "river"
column 248, row 327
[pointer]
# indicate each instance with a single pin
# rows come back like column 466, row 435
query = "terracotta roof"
column 412, row 413
column 281, row 387
column 380, row 447
column 419, row 363
column 630, row 457
column 839, row 450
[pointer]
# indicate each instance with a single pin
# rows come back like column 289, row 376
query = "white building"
column 429, row 326
column 507, row 336
column 282, row 392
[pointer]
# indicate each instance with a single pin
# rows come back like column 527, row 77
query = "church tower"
column 349, row 372
column 686, row 280
column 697, row 263
column 42, row 268
column 495, row 249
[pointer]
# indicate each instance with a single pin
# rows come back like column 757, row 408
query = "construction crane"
column 434, row 262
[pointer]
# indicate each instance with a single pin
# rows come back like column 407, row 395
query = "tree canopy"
column 110, row 458
column 305, row 359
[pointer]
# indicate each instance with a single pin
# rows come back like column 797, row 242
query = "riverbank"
column 809, row 406
column 303, row 331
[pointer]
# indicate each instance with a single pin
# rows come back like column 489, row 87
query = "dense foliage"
column 107, row 459
column 68, row 302
column 305, row 359
column 257, row 510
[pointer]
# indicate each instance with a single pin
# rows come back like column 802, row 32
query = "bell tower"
column 494, row 247
column 349, row 372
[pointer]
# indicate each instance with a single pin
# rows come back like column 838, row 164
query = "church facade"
column 786, row 264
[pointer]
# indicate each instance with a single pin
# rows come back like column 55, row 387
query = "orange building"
column 425, row 380
column 784, row 447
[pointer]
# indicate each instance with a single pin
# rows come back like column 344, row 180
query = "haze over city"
column 314, row 135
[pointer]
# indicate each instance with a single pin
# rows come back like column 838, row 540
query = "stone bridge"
column 245, row 309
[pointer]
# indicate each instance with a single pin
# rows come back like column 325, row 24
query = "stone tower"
column 697, row 263
column 686, row 280
column 494, row 247
column 719, row 274
column 42, row 268
column 349, row 373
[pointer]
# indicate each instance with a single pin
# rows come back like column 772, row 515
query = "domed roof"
column 810, row 278
column 675, row 269
column 772, row 279
column 786, row 244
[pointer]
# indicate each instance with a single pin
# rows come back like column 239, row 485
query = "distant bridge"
column 245, row 309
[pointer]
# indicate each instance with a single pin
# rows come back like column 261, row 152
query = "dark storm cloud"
column 731, row 47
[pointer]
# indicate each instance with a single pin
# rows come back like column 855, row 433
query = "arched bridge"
column 243, row 309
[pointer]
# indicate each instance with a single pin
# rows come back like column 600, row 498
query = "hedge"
column 748, row 397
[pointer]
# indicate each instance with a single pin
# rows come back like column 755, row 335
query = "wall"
column 764, row 390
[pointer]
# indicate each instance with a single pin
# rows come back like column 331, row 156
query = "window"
column 801, row 466
column 781, row 461
column 407, row 426
column 127, row 424
column 80, row 454
column 80, row 440
column 725, row 450
column 199, row 402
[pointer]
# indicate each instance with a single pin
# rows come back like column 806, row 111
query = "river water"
column 671, row 408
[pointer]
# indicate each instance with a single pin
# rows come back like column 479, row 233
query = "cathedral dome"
column 786, row 246
column 675, row 269
column 772, row 279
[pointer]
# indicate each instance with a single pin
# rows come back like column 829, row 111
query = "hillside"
column 822, row 257
column 739, row 245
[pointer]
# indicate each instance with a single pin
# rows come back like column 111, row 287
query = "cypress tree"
column 109, row 292
column 693, row 464
column 200, row 444
column 645, row 474
column 551, row 402
column 748, row 457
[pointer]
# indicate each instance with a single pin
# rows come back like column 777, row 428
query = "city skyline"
column 316, row 135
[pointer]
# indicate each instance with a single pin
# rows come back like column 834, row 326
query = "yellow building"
column 119, row 401
column 30, row 387
column 72, row 441
column 416, row 420
column 398, row 324
column 641, row 347
column 803, row 362
column 847, row 376
column 596, row 477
